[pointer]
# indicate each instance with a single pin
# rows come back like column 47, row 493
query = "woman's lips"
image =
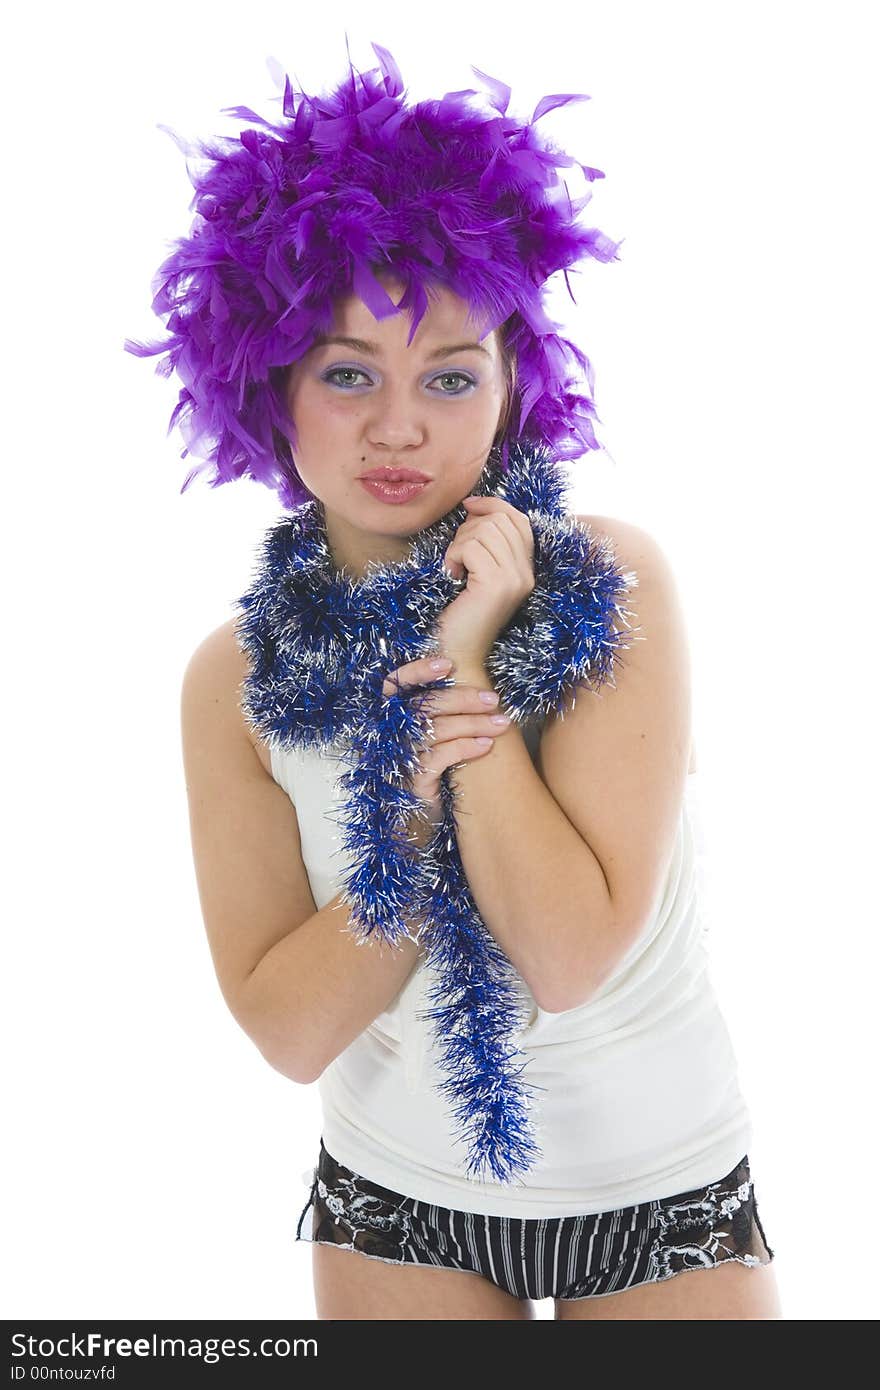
column 395, row 493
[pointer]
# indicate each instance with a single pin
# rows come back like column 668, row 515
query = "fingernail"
column 483, row 742
column 500, row 718
column 439, row 664
column 489, row 697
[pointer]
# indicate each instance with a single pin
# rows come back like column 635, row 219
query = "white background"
column 153, row 1164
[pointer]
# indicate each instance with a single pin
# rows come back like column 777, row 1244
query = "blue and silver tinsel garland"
column 320, row 645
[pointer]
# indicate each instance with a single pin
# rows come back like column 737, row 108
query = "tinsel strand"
column 321, row 647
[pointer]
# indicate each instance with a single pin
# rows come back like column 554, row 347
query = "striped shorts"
column 554, row 1257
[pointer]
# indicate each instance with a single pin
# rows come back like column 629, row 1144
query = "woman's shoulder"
column 634, row 544
column 217, row 670
column 638, row 550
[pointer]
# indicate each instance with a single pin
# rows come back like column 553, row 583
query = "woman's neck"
column 352, row 549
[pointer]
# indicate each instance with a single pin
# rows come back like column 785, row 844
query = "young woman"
column 574, row 827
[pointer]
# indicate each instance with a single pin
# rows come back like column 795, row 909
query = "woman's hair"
column 291, row 216
column 508, row 366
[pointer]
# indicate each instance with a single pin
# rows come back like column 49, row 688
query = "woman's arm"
column 299, row 985
column 316, row 990
column 566, row 862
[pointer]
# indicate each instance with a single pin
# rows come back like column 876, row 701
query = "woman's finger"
column 420, row 672
column 503, row 523
column 446, row 728
column 497, row 506
column 500, row 536
column 484, row 555
column 523, row 547
column 435, row 760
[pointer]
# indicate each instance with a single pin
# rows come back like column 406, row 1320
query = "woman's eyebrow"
column 373, row 349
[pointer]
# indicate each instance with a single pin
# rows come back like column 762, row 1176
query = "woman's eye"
column 356, row 371
column 342, row 371
column 446, row 376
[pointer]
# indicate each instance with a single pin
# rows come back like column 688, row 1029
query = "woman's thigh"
column 730, row 1290
column 351, row 1285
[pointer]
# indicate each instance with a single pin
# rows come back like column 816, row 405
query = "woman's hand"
column 461, row 729
column 495, row 548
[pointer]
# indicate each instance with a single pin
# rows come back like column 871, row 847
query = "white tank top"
column 639, row 1095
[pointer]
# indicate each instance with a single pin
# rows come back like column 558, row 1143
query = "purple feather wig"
column 289, row 217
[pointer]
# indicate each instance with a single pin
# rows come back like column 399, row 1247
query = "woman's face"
column 381, row 403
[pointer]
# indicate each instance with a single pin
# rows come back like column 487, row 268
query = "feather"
column 454, row 191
